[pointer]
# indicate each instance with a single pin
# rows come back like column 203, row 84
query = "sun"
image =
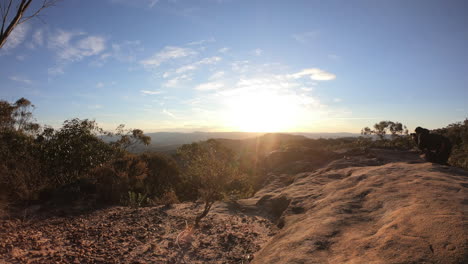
column 262, row 111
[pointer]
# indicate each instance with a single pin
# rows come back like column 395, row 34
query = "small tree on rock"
column 209, row 168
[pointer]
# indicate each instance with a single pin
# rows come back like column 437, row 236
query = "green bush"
column 73, row 150
column 118, row 177
column 136, row 200
column 21, row 174
column 458, row 135
column 209, row 168
column 163, row 175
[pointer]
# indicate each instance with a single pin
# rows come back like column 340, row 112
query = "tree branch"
column 19, row 17
column 45, row 4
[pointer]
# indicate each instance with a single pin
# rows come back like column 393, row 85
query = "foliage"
column 384, row 127
column 18, row 116
column 36, row 160
column 21, row 176
column 73, row 150
column 118, row 177
column 163, row 175
column 168, row 198
column 129, row 137
column 209, row 168
column 458, row 135
column 126, row 179
column 136, row 200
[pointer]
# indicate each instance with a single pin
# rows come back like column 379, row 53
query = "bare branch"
column 5, row 16
column 19, row 16
column 45, row 4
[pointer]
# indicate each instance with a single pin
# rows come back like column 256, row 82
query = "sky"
column 242, row 65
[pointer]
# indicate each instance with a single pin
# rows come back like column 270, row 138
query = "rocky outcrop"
column 378, row 207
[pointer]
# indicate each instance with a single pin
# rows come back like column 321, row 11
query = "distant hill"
column 168, row 142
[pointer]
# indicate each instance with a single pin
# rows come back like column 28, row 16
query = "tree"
column 17, row 116
column 6, row 115
column 14, row 13
column 381, row 129
column 71, row 151
column 129, row 137
column 210, row 168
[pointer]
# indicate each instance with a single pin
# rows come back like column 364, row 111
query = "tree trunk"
column 208, row 205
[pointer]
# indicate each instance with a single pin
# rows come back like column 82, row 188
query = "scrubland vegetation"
column 74, row 163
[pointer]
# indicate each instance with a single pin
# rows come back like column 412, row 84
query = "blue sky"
column 233, row 65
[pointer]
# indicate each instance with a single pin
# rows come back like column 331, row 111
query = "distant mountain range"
column 170, row 141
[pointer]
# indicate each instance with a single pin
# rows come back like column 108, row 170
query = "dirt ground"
column 126, row 235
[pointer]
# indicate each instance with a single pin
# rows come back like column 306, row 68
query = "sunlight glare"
column 263, row 111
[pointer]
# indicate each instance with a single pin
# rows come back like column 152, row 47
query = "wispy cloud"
column 56, row 70
column 257, row 52
column 217, row 75
column 314, row 74
column 201, row 42
column 145, row 3
column 224, row 50
column 165, row 111
column 194, row 66
column 334, row 57
column 96, row 106
column 305, row 37
column 166, row 54
column 209, row 86
column 148, row 92
column 74, row 46
column 240, row 66
column 16, row 37
column 125, row 51
column 21, row 79
column 174, row 82
column 38, row 39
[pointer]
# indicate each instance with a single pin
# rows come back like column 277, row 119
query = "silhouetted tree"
column 6, row 115
column 381, row 129
column 130, row 137
column 18, row 116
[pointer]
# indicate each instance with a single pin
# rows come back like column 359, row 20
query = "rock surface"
column 381, row 207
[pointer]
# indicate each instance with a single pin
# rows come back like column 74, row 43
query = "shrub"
column 210, row 168
column 168, row 198
column 116, row 179
column 458, row 135
column 163, row 175
column 21, row 174
column 135, row 200
column 73, row 150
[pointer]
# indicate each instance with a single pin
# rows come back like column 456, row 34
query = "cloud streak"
column 16, row 37
column 305, row 37
column 166, row 54
column 74, row 46
column 314, row 74
column 148, row 92
column 209, row 86
column 21, row 79
column 194, row 66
